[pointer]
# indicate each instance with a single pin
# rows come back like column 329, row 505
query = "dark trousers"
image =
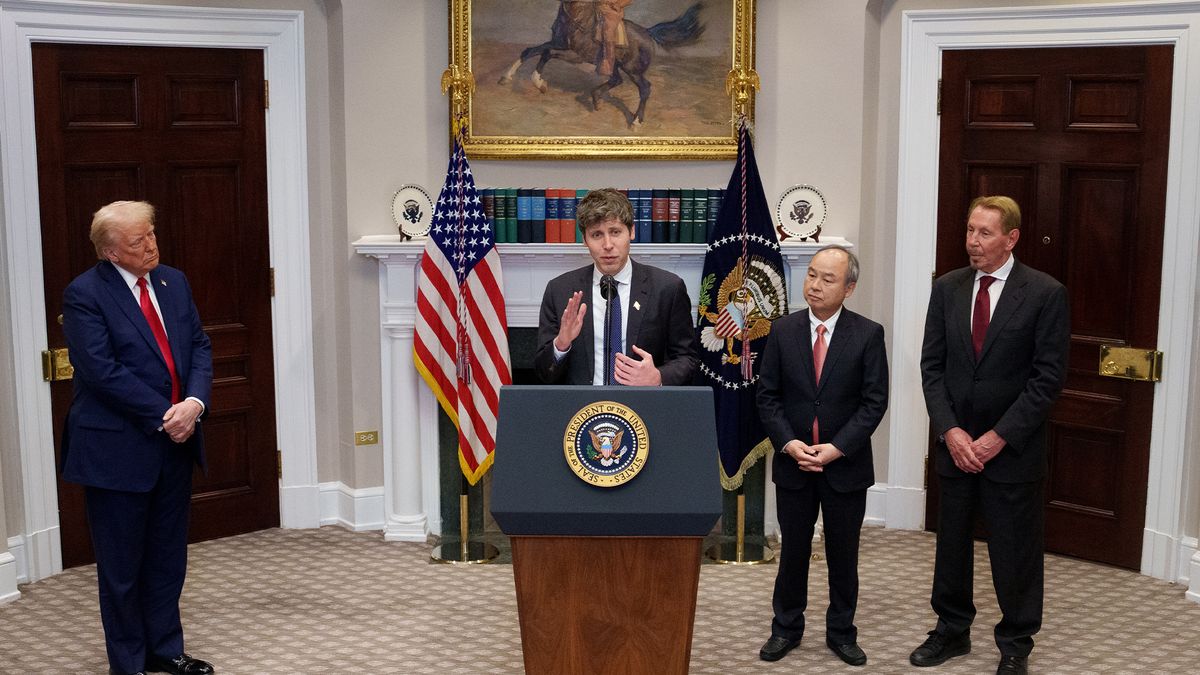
column 140, row 539
column 1014, row 518
column 842, row 514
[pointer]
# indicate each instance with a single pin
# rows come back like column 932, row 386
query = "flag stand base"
column 736, row 552
column 463, row 551
column 451, row 551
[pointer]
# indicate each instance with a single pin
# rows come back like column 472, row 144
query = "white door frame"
column 925, row 34
column 280, row 34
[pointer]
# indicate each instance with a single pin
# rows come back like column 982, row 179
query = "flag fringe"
column 734, row 482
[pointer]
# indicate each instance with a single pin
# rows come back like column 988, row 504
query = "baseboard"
column 354, row 509
column 1193, row 592
column 876, row 515
column 904, row 508
column 299, row 506
column 8, row 578
column 16, row 546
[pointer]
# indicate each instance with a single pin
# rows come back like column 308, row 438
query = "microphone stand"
column 607, row 285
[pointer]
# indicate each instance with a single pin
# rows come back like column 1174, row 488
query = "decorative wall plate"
column 412, row 209
column 801, row 211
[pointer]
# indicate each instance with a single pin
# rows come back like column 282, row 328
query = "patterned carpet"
column 330, row 600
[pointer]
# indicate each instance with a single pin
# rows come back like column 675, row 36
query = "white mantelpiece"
column 410, row 441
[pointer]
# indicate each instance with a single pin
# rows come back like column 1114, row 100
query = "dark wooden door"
column 1079, row 137
column 183, row 129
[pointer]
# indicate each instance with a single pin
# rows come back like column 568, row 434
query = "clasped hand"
column 180, row 420
column 812, row 457
column 969, row 454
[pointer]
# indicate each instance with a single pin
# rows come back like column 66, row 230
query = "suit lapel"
column 843, row 333
column 804, row 349
column 1011, row 297
column 961, row 318
column 587, row 335
column 639, row 295
column 123, row 299
column 166, row 305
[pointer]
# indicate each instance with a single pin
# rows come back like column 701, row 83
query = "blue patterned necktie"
column 614, row 334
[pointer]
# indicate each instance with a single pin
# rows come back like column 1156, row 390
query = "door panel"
column 1078, row 136
column 185, row 130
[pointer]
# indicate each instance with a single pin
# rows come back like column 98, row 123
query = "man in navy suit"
column 143, row 378
column 654, row 310
column 822, row 390
column 994, row 360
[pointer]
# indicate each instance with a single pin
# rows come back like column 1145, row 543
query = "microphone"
column 608, row 287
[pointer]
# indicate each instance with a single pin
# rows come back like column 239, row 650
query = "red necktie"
column 160, row 335
column 982, row 315
column 819, row 348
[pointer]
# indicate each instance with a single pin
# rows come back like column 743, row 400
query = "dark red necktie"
column 819, row 349
column 160, row 335
column 982, row 315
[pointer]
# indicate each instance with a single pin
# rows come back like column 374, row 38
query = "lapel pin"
column 637, row 305
column 163, row 282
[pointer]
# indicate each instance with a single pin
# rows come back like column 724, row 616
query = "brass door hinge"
column 279, row 463
column 272, row 282
column 56, row 365
column 266, row 94
column 939, row 97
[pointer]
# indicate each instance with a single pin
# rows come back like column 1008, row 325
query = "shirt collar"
column 1001, row 274
column 128, row 277
column 624, row 276
column 830, row 323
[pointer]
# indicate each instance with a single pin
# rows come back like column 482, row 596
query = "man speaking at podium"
column 822, row 391
column 640, row 331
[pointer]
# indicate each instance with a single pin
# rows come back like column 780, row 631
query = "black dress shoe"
column 938, row 648
column 1013, row 665
column 776, row 647
column 848, row 652
column 180, row 665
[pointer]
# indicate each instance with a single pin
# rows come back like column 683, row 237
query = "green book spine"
column 700, row 216
column 510, row 215
column 687, row 215
column 579, row 194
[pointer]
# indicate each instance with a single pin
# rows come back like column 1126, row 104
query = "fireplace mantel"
column 409, row 433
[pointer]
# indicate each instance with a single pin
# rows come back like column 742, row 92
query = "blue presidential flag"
column 742, row 291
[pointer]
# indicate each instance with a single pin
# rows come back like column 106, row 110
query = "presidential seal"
column 606, row 444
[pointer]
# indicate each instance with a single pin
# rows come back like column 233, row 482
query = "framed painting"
column 588, row 79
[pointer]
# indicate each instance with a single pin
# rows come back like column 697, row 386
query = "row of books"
column 547, row 215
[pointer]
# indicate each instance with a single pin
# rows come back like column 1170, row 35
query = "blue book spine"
column 566, row 211
column 524, row 215
column 537, row 211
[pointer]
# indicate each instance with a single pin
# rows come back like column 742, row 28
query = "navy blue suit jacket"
column 122, row 387
column 849, row 400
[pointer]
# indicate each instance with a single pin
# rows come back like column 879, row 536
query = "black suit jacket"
column 1018, row 376
column 660, row 322
column 849, row 401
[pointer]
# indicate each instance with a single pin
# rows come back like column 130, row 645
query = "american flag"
column 460, row 343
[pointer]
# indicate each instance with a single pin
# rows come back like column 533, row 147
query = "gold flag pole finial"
column 461, row 84
column 741, row 83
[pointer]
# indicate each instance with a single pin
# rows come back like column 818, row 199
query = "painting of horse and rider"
column 601, row 69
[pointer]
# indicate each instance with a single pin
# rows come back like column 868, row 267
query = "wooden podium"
column 606, row 577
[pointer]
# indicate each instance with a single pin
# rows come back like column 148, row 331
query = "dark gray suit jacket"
column 849, row 400
column 1019, row 374
column 660, row 322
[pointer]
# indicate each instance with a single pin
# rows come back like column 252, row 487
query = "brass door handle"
column 56, row 365
column 1131, row 363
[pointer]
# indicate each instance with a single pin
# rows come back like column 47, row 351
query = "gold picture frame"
column 697, row 64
